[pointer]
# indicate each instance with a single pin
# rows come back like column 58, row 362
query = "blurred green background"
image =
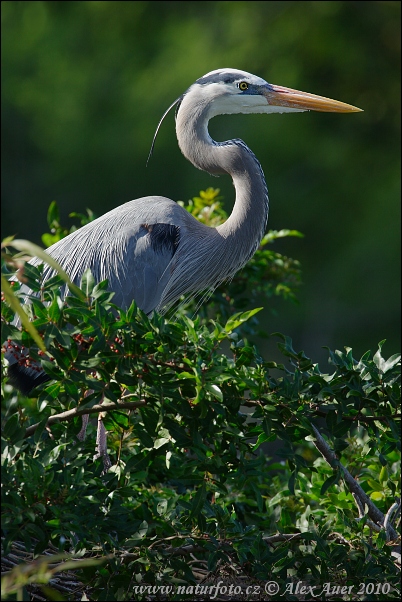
column 85, row 83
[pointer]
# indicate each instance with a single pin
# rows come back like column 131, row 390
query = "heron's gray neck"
column 247, row 222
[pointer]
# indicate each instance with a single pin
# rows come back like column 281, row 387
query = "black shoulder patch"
column 164, row 237
column 23, row 381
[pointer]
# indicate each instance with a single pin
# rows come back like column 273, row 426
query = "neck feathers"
column 246, row 225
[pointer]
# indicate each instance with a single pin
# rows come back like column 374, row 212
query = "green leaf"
column 11, row 426
column 50, row 239
column 160, row 442
column 239, row 318
column 378, row 359
column 262, row 438
column 99, row 289
column 291, row 482
column 198, row 500
column 17, row 308
column 374, row 485
column 161, row 507
column 142, row 531
column 139, row 462
column 34, row 251
column 377, row 496
column 274, row 234
column 116, row 417
column 55, row 309
column 338, row 502
column 391, row 362
column 383, row 478
column 53, row 214
column 340, row 445
column 87, row 283
column 331, row 419
column 186, row 376
column 332, row 480
column 53, row 390
column 215, row 391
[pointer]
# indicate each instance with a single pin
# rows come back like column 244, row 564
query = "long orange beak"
column 294, row 99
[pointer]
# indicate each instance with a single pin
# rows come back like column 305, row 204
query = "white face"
column 231, row 91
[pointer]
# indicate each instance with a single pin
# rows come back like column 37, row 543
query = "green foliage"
column 57, row 231
column 207, row 208
column 190, row 449
column 187, row 468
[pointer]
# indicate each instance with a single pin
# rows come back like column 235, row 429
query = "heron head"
column 230, row 91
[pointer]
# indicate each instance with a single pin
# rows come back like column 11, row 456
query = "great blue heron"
column 151, row 249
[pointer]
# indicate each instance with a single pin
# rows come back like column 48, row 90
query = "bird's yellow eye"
column 243, row 86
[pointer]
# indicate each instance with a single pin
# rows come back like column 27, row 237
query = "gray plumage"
column 151, row 249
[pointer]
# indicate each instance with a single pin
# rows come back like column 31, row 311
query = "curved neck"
column 248, row 219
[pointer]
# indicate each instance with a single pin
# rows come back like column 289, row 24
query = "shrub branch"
column 373, row 512
column 70, row 414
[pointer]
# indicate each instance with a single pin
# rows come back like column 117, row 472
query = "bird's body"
column 136, row 252
column 153, row 251
column 150, row 251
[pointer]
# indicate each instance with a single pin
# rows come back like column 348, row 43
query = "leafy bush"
column 191, row 409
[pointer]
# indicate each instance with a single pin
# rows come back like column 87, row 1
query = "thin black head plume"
column 178, row 100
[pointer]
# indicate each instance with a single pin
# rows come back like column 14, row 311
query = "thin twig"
column 388, row 518
column 70, row 414
column 182, row 550
column 281, row 537
column 360, row 417
column 356, row 418
column 362, row 514
column 161, row 541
